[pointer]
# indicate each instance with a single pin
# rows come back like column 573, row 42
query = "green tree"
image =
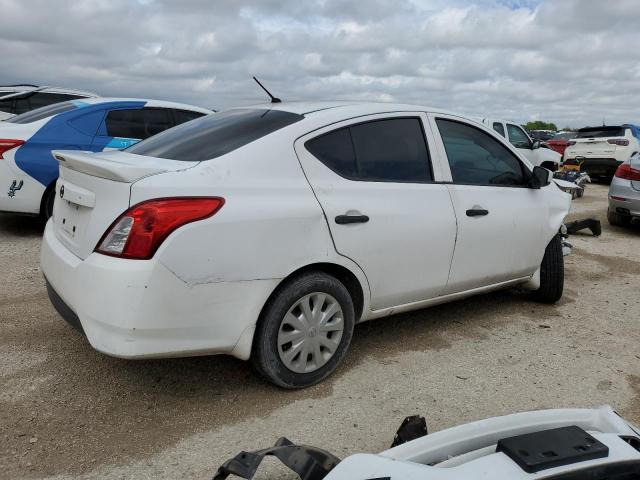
column 540, row 125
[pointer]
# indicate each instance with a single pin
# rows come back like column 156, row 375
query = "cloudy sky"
column 568, row 61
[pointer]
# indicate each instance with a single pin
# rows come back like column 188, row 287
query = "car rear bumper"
column 140, row 309
column 623, row 198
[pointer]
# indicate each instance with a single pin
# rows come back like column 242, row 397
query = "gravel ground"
column 67, row 411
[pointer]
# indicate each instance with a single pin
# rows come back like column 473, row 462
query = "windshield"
column 601, row 132
column 44, row 112
column 214, row 135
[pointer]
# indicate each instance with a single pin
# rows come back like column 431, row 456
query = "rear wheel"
column 46, row 207
column 304, row 331
column 551, row 273
column 617, row 220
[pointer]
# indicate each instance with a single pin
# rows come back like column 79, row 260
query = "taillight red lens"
column 627, row 172
column 7, row 144
column 623, row 142
column 139, row 231
column 571, row 142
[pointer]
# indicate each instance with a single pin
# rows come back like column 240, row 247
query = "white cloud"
column 571, row 61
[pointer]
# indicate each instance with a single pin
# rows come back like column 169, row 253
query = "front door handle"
column 347, row 219
column 477, row 212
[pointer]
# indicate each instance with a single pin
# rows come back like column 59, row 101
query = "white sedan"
column 268, row 232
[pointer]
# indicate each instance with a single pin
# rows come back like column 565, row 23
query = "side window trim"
column 495, row 135
column 360, row 121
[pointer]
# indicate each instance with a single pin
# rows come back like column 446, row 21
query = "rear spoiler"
column 110, row 169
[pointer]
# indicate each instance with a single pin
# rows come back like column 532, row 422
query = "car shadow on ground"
column 12, row 225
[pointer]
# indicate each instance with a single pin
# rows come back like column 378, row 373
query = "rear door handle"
column 347, row 219
column 477, row 212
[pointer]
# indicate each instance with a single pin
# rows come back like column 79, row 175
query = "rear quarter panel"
column 270, row 225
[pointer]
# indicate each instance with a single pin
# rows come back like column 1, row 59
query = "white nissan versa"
column 268, row 232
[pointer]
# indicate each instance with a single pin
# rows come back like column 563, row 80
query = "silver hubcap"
column 310, row 332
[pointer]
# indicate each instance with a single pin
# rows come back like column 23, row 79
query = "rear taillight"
column 6, row 145
column 139, row 231
column 623, row 142
column 627, row 172
column 571, row 142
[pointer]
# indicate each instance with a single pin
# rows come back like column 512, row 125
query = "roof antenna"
column 273, row 99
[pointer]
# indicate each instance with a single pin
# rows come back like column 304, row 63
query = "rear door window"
column 476, row 158
column 139, row 123
column 214, row 135
column 389, row 150
column 42, row 99
column 6, row 105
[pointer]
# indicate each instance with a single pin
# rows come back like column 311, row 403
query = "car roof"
column 29, row 88
column 353, row 107
column 148, row 103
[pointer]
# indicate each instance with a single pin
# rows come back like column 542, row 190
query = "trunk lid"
column 593, row 147
column 94, row 189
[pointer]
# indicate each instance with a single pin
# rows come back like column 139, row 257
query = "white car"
column 561, row 444
column 624, row 193
column 17, row 99
column 268, row 232
column 28, row 172
column 603, row 149
column 533, row 150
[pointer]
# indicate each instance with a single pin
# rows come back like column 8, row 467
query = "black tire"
column 618, row 220
column 551, row 273
column 46, row 206
column 265, row 355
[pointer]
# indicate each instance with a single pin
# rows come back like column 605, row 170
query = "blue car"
column 28, row 172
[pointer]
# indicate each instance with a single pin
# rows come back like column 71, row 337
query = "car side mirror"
column 541, row 177
column 535, row 144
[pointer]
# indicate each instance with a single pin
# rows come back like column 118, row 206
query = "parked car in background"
column 560, row 140
column 624, row 193
column 544, row 157
column 542, row 135
column 268, row 232
column 18, row 99
column 603, row 149
column 28, row 172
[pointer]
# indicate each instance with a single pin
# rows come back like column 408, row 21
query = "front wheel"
column 304, row 331
column 551, row 273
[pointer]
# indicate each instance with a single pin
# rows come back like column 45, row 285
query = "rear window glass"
column 44, row 112
column 601, row 132
column 214, row 135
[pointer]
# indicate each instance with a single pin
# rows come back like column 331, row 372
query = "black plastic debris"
column 411, row 428
column 310, row 463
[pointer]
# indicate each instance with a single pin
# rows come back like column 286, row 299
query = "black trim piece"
column 412, row 427
column 63, row 309
column 551, row 448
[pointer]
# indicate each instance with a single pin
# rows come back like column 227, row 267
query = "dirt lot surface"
column 67, row 411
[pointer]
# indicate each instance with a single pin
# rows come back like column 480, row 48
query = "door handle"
column 477, row 212
column 347, row 219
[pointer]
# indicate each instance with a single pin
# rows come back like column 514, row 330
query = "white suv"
column 17, row 99
column 603, row 149
column 268, row 232
column 536, row 152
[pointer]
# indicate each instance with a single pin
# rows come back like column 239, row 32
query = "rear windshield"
column 214, row 135
column 564, row 136
column 601, row 132
column 44, row 112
